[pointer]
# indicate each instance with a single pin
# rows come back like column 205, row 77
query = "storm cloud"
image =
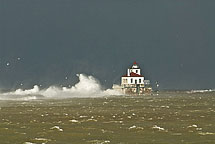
column 49, row 42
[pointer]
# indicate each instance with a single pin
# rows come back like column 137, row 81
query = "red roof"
column 132, row 74
column 135, row 63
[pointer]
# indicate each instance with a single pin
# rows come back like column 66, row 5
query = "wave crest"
column 201, row 91
column 88, row 86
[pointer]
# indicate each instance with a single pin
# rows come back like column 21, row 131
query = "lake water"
column 170, row 117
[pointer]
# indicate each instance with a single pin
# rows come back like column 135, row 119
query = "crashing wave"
column 87, row 86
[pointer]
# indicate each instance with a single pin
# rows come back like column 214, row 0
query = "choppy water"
column 170, row 117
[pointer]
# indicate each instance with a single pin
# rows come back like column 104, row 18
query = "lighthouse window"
column 136, row 71
column 135, row 81
column 131, row 80
column 139, row 80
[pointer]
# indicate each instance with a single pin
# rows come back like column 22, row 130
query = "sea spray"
column 88, row 86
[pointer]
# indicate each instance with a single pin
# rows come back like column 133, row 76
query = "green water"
column 164, row 119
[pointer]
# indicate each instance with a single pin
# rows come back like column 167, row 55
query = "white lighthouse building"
column 134, row 82
column 133, row 76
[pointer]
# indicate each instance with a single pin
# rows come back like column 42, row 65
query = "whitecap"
column 132, row 127
column 206, row 133
column 28, row 143
column 74, row 121
column 158, row 128
column 57, row 128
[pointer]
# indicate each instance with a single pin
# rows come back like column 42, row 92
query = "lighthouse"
column 133, row 76
column 133, row 82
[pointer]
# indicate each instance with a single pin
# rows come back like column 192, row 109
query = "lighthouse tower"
column 133, row 82
column 133, row 76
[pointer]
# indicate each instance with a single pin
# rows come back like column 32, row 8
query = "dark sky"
column 172, row 40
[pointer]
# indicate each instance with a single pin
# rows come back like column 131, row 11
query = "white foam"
column 28, row 143
column 57, row 128
column 157, row 127
column 201, row 91
column 206, row 133
column 88, row 86
column 132, row 127
column 74, row 121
